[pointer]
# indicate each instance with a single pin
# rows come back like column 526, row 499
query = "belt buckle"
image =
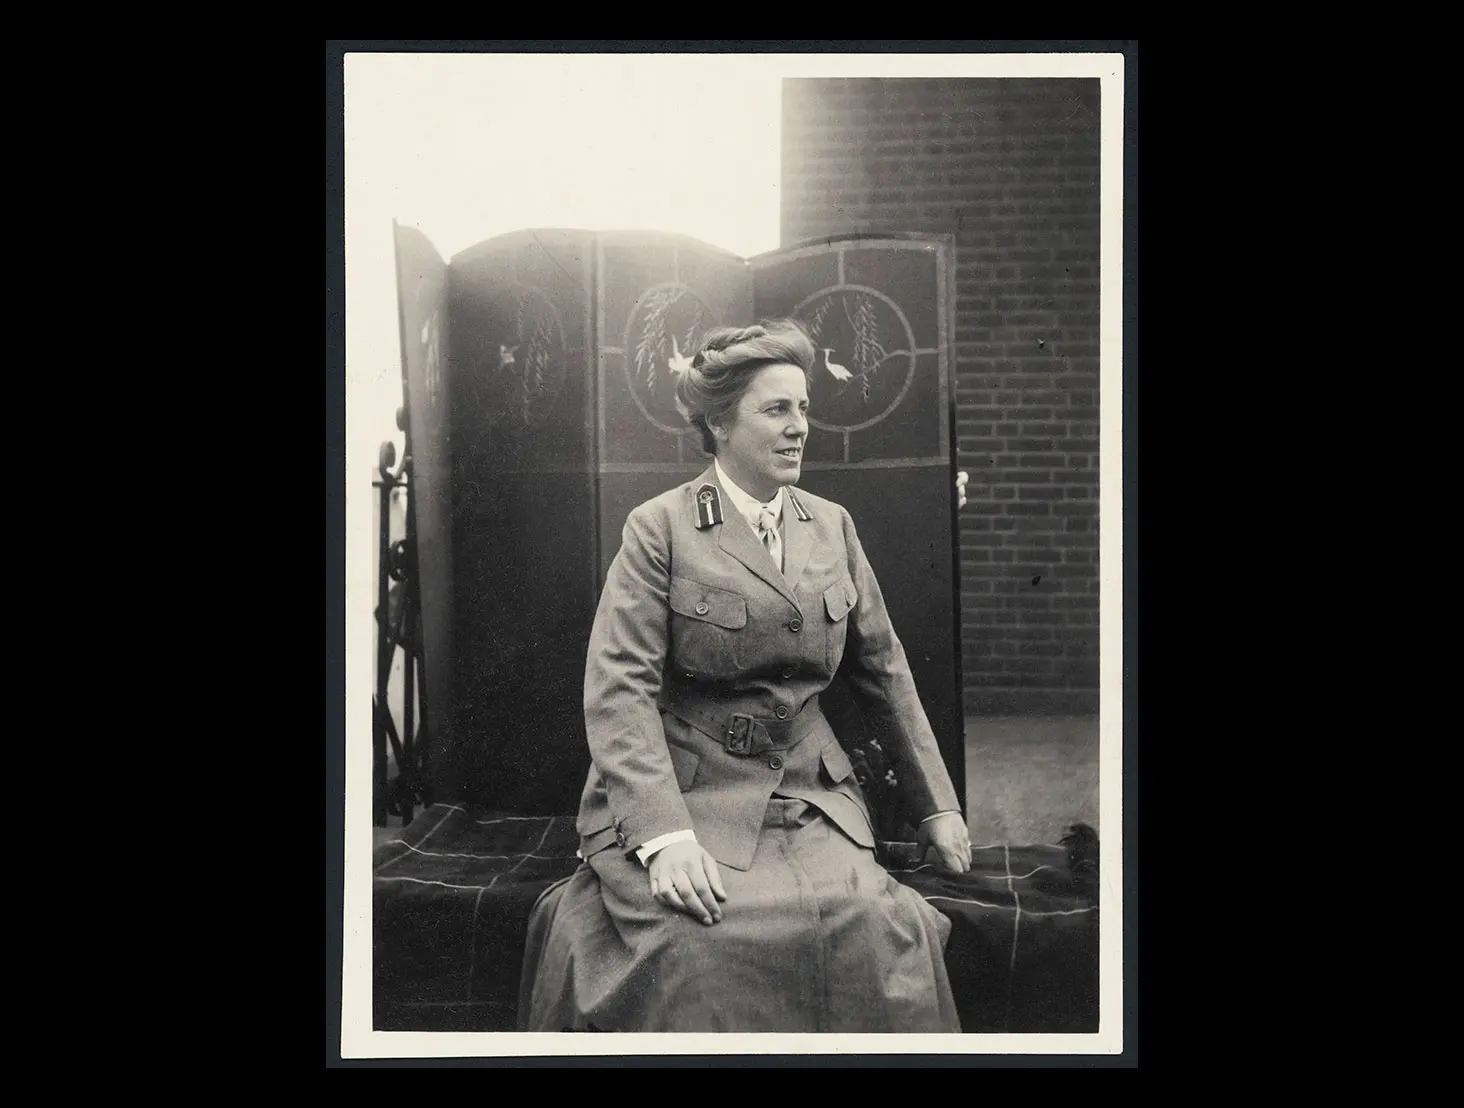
column 739, row 738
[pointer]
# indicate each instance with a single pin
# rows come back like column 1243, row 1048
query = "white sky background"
column 465, row 147
column 470, row 146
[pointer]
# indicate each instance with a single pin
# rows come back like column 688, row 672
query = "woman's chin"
column 786, row 470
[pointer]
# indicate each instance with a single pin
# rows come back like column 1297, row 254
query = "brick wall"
column 1010, row 168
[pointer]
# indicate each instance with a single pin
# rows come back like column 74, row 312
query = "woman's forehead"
column 777, row 382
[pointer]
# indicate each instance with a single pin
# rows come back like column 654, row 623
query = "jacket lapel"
column 736, row 536
column 797, row 540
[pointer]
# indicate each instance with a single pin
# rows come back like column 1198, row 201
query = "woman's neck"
column 751, row 488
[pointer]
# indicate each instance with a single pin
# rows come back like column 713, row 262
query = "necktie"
column 767, row 531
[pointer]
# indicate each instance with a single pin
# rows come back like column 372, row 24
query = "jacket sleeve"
column 884, row 689
column 627, row 654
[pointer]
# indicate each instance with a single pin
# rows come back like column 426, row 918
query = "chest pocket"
column 707, row 628
column 839, row 600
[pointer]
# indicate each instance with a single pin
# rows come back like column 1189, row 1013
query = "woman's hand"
column 685, row 877
column 952, row 841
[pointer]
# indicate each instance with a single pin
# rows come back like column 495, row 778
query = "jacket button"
column 701, row 609
column 782, row 712
column 788, row 673
column 795, row 624
column 775, row 762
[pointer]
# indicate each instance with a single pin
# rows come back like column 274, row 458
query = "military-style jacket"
column 704, row 669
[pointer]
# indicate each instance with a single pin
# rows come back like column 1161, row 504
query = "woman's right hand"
column 685, row 877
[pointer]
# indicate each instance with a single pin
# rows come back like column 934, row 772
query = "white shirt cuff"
column 648, row 849
column 927, row 819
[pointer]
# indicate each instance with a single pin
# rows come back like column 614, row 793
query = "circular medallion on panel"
column 524, row 369
column 864, row 357
column 665, row 327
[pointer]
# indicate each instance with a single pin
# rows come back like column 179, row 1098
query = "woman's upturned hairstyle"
column 725, row 364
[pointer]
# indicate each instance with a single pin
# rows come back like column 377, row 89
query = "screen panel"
column 526, row 516
column 878, row 310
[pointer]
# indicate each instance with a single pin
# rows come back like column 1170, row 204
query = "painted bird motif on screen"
column 678, row 363
column 838, row 372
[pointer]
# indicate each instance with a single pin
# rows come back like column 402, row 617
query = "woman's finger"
column 694, row 906
column 703, row 891
column 670, row 897
column 952, row 860
column 961, row 853
column 714, row 876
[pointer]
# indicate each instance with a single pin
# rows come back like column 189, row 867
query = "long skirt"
column 815, row 937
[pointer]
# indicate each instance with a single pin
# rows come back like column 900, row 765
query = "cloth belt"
column 746, row 735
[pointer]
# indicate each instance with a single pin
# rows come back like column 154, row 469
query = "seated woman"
column 730, row 881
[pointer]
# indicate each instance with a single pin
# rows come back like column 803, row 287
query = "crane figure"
column 678, row 363
column 838, row 372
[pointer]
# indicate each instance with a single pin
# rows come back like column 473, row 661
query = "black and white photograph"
column 734, row 575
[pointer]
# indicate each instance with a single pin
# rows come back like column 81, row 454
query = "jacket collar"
column 736, row 536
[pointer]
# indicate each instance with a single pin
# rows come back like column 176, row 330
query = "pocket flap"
column 708, row 603
column 685, row 763
column 836, row 763
column 839, row 598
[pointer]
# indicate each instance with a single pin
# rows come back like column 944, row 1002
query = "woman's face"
column 761, row 444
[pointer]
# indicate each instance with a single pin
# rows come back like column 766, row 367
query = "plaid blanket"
column 453, row 894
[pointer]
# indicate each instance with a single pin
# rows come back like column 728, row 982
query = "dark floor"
column 1027, row 778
